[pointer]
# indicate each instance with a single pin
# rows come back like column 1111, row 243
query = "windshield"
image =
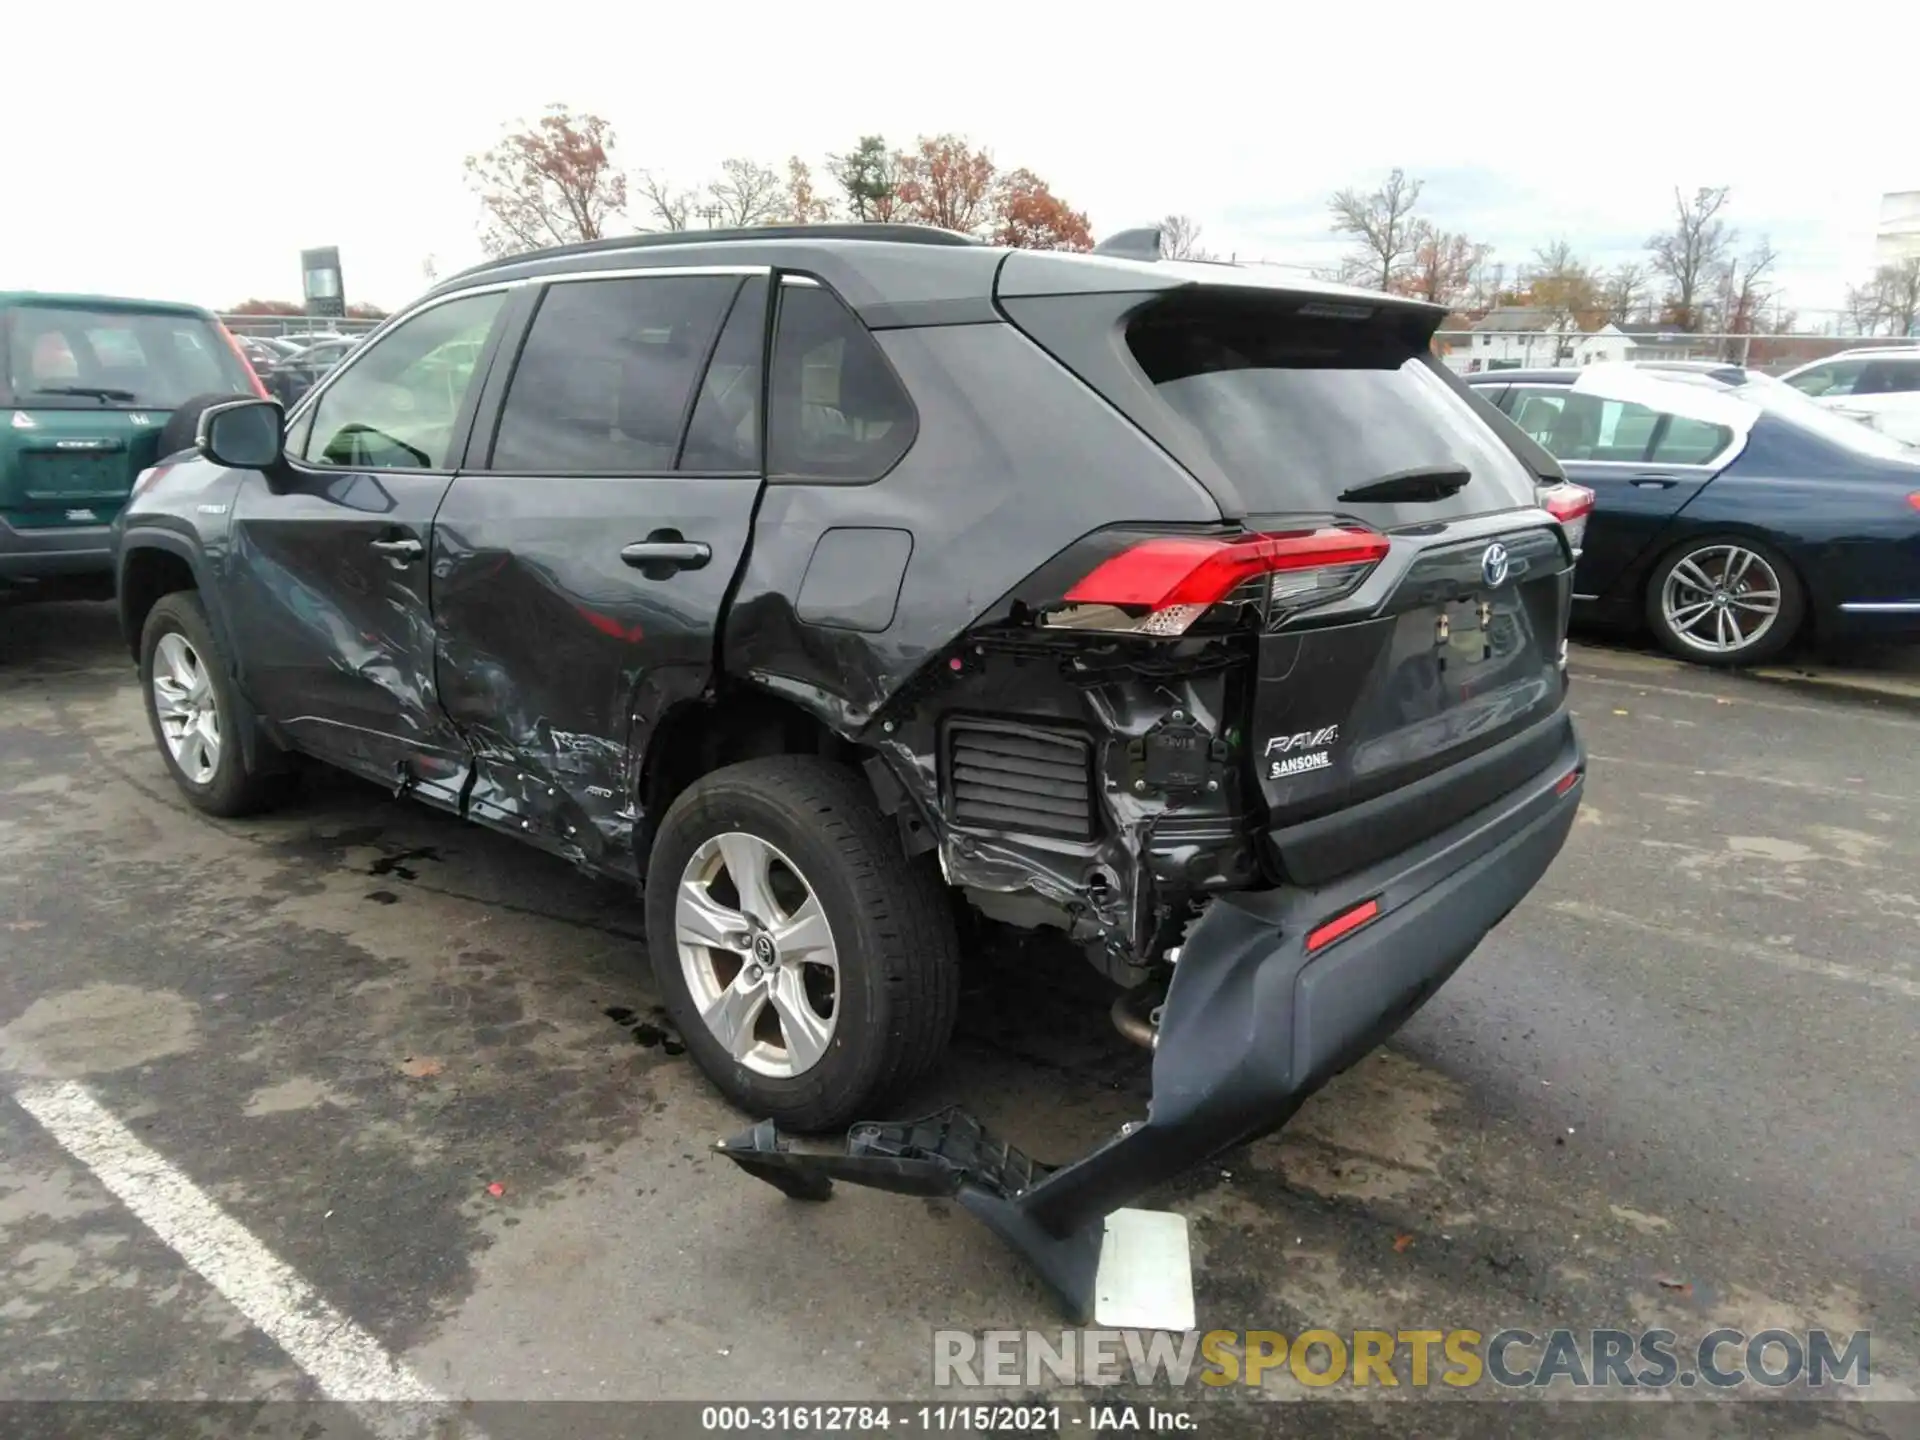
column 1780, row 398
column 63, row 356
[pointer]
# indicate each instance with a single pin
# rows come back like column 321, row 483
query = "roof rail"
column 647, row 240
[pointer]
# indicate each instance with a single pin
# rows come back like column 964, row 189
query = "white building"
column 1897, row 238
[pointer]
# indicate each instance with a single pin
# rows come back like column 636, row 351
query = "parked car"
column 842, row 582
column 93, row 390
column 1728, row 517
column 300, row 371
column 1879, row 386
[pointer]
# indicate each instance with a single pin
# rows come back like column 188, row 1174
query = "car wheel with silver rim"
column 810, row 966
column 193, row 709
column 757, row 954
column 1725, row 600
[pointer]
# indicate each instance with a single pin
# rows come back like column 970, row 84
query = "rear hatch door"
column 1428, row 684
column 85, row 391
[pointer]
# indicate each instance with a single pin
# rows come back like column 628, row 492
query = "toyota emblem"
column 763, row 949
column 1493, row 566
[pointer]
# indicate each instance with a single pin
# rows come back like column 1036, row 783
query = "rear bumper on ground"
column 34, row 554
column 1253, row 1024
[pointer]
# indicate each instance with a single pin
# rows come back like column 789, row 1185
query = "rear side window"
column 607, row 373
column 724, row 433
column 69, row 356
column 1686, row 441
column 836, row 410
column 1836, row 378
column 1890, row 377
column 1297, row 408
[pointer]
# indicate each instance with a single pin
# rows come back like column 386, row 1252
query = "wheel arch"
column 151, row 564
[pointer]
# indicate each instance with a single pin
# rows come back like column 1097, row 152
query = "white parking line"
column 342, row 1359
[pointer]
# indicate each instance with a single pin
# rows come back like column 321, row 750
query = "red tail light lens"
column 245, row 364
column 1160, row 587
column 1914, row 499
column 1343, row 925
column 1569, row 504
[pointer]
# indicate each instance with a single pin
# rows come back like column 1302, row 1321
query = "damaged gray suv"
column 828, row 581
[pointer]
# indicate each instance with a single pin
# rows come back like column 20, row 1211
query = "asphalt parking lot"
column 421, row 1066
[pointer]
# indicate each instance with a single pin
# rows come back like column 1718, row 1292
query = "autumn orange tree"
column 943, row 180
column 550, row 183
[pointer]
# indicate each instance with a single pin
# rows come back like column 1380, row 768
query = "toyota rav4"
column 827, row 581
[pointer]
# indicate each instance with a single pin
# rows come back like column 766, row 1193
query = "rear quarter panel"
column 1015, row 460
column 1843, row 522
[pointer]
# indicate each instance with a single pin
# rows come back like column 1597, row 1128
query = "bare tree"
column 1899, row 288
column 672, row 208
column 1625, row 292
column 1180, row 238
column 1489, row 284
column 1748, row 289
column 1442, row 267
column 1691, row 256
column 1864, row 312
column 1383, row 228
column 747, row 193
column 549, row 183
column 1560, row 285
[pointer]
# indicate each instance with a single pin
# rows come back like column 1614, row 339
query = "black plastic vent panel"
column 1020, row 778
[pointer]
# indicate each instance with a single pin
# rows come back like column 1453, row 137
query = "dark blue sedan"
column 1730, row 511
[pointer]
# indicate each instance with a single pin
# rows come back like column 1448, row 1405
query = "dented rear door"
column 584, row 555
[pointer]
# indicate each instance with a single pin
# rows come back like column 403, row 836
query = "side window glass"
column 394, row 408
column 1536, row 413
column 1625, row 432
column 836, row 409
column 606, row 374
column 1838, row 378
column 724, row 434
column 1690, row 442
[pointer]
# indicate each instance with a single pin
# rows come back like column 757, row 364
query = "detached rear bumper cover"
column 1253, row 1024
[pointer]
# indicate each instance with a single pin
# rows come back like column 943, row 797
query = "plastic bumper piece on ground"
column 1253, row 1024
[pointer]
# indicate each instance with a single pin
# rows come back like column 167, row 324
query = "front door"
column 328, row 560
column 583, row 556
column 1643, row 466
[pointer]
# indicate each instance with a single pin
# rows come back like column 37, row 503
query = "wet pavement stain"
column 396, row 864
column 646, row 1034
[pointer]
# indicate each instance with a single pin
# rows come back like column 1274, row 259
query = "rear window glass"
column 1296, row 409
column 63, row 356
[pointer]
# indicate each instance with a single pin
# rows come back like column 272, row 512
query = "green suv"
column 93, row 391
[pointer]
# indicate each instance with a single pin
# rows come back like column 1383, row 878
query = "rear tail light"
column 1160, row 587
column 1914, row 499
column 1569, row 504
column 245, row 364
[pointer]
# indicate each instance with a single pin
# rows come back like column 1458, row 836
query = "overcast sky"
column 206, row 143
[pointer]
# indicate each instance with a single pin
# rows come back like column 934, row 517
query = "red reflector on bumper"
column 1342, row 925
column 1567, row 782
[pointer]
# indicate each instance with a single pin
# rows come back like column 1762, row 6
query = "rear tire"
column 878, row 970
column 195, row 714
column 1725, row 600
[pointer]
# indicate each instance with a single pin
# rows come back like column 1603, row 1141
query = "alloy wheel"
column 1721, row 599
column 758, row 954
column 189, row 712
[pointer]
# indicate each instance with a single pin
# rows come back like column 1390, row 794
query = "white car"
column 1880, row 387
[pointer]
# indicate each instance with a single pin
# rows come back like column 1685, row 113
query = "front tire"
column 1725, row 600
column 194, row 713
column 811, row 969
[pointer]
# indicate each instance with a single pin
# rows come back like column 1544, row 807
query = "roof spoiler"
column 1140, row 244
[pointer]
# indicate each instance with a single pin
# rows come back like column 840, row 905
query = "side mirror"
column 242, row 434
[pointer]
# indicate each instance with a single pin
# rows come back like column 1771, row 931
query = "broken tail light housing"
column 1160, row 587
column 1570, row 504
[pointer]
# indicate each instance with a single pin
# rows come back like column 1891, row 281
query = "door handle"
column 674, row 554
column 1653, row 482
column 400, row 550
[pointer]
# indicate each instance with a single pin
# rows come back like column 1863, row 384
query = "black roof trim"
column 892, row 234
